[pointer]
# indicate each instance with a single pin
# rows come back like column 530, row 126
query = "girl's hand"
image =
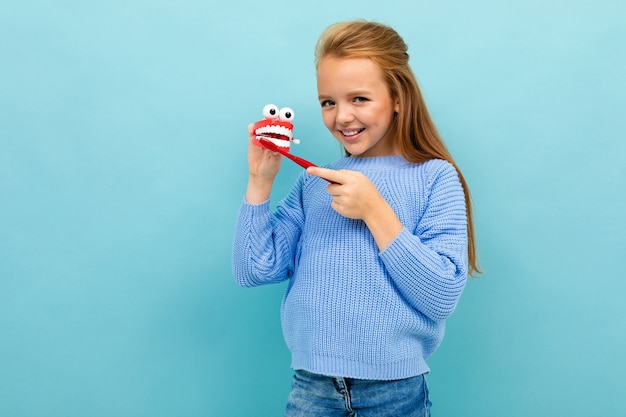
column 356, row 197
column 263, row 165
column 353, row 194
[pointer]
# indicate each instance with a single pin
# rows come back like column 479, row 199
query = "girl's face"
column 357, row 107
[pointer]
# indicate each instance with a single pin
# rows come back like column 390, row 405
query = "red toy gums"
column 275, row 133
column 276, row 127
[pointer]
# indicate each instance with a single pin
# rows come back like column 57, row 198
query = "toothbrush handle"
column 272, row 147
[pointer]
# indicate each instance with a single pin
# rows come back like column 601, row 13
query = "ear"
column 396, row 107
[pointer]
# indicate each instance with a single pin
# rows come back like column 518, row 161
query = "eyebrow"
column 360, row 93
column 355, row 93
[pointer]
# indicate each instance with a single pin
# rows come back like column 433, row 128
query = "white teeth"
column 350, row 132
column 277, row 130
column 278, row 142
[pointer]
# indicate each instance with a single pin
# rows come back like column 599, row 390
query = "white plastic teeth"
column 278, row 142
column 277, row 130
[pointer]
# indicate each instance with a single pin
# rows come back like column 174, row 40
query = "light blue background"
column 123, row 163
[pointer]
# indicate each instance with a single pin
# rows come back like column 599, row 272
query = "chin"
column 360, row 152
column 353, row 149
column 353, row 152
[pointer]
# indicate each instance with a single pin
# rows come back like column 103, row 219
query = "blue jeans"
column 317, row 395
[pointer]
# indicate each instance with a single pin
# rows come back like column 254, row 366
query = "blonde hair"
column 417, row 136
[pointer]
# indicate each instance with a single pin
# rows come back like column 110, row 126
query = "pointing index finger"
column 330, row 175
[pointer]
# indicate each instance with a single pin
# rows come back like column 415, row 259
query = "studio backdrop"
column 123, row 164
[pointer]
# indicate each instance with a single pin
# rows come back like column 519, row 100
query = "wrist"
column 384, row 225
column 259, row 189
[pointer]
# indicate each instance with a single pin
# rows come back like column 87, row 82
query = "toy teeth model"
column 275, row 133
column 276, row 127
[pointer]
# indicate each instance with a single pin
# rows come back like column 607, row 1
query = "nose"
column 344, row 114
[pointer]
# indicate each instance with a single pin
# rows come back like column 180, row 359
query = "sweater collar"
column 373, row 162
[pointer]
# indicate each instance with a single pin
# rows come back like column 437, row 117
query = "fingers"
column 330, row 175
column 251, row 136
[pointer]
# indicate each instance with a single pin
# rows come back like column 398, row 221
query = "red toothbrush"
column 267, row 144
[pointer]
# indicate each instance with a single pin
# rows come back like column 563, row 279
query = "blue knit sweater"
column 350, row 310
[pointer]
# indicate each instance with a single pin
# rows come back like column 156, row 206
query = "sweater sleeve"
column 429, row 264
column 264, row 243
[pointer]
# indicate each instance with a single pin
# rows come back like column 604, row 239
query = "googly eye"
column 270, row 111
column 286, row 114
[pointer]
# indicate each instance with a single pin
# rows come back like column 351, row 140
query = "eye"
column 287, row 114
column 360, row 99
column 327, row 103
column 270, row 111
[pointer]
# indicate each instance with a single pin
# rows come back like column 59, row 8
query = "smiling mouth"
column 351, row 133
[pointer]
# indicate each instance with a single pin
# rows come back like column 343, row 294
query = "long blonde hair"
column 413, row 127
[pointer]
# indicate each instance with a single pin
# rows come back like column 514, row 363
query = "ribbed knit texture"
column 350, row 310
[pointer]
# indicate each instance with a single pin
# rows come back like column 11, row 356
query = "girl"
column 377, row 259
